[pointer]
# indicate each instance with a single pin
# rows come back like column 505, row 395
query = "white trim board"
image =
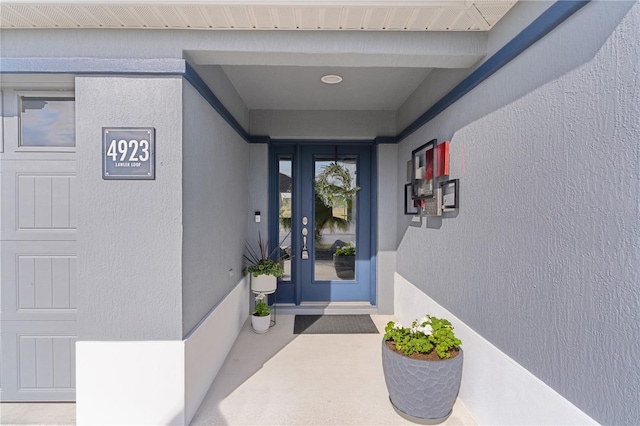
column 208, row 345
column 157, row 382
column 495, row 389
column 126, row 383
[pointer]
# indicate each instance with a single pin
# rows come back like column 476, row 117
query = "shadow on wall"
column 430, row 222
column 597, row 29
column 534, row 264
column 581, row 43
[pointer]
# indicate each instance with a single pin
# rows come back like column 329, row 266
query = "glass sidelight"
column 285, row 208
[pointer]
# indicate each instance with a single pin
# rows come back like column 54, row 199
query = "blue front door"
column 322, row 208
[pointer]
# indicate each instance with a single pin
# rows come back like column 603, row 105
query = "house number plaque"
column 128, row 153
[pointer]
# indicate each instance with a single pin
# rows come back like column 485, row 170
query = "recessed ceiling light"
column 331, row 79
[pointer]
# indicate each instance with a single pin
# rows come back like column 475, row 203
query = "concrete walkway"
column 43, row 413
column 279, row 378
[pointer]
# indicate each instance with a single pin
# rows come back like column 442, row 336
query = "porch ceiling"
column 383, row 49
column 377, row 15
column 292, row 88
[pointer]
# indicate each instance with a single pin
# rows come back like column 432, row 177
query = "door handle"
column 305, row 252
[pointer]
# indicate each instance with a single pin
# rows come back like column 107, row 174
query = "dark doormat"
column 334, row 324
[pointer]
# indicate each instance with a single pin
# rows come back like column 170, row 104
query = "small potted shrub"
column 263, row 266
column 422, row 367
column 261, row 316
column 344, row 260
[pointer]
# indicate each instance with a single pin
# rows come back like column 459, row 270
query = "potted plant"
column 344, row 260
column 261, row 316
column 422, row 367
column 263, row 266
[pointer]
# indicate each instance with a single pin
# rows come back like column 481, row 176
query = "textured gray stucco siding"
column 543, row 258
column 215, row 193
column 388, row 198
column 129, row 232
column 441, row 80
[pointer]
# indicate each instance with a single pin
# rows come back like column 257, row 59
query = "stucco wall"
column 258, row 174
column 388, row 196
column 226, row 93
column 215, row 193
column 440, row 81
column 310, row 124
column 129, row 232
column 543, row 258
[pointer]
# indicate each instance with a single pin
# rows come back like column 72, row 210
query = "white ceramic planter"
column 265, row 284
column 260, row 324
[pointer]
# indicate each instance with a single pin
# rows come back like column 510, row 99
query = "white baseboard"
column 156, row 382
column 209, row 344
column 495, row 389
column 130, row 383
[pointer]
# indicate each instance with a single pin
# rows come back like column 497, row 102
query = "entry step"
column 320, row 308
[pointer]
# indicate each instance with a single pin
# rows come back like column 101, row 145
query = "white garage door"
column 37, row 246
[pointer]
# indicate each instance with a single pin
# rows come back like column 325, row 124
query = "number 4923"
column 132, row 150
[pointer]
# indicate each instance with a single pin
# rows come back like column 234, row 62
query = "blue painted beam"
column 166, row 66
column 324, row 141
column 198, row 83
column 260, row 139
column 385, row 140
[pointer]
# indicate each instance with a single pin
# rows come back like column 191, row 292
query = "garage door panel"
column 1, row 367
column 38, row 274
column 24, row 196
column 61, row 272
column 44, row 202
column 62, row 362
column 61, row 202
column 44, row 353
column 28, row 364
column 25, row 281
column 39, row 200
column 73, row 204
column 42, row 199
column 39, row 280
column 73, row 282
column 39, row 395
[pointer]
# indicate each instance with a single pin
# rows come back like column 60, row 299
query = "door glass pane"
column 285, row 208
column 335, row 227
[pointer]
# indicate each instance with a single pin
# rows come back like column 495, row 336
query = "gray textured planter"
column 421, row 391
